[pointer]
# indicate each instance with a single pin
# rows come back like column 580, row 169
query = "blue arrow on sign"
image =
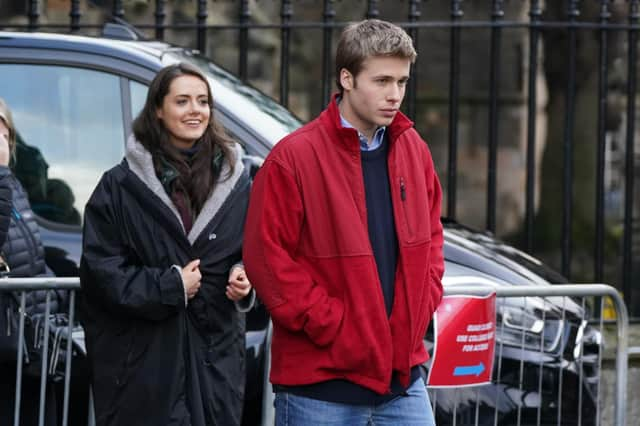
column 469, row 370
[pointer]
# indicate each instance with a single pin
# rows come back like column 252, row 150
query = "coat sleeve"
column 436, row 255
column 5, row 203
column 111, row 275
column 271, row 238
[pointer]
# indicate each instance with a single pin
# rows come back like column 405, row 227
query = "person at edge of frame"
column 163, row 288
column 343, row 244
column 22, row 255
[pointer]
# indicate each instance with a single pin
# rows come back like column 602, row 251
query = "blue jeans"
column 412, row 409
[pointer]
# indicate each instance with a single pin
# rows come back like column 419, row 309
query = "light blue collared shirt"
column 364, row 143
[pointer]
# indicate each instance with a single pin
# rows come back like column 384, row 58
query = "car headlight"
column 522, row 325
column 527, row 322
column 517, row 318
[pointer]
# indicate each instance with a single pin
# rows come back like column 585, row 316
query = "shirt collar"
column 378, row 136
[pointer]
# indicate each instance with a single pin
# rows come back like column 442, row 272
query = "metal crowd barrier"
column 578, row 293
column 574, row 291
column 22, row 286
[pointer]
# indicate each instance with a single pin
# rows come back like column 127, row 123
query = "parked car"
column 547, row 356
column 73, row 100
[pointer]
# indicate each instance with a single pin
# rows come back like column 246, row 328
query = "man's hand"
column 191, row 278
column 239, row 285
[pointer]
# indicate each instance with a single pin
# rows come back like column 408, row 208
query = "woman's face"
column 185, row 111
column 4, row 132
column 4, row 144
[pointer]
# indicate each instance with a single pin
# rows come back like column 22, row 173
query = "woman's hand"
column 239, row 285
column 191, row 278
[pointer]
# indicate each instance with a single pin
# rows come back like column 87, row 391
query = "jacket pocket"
column 123, row 374
column 415, row 216
column 424, row 316
column 348, row 353
column 357, row 348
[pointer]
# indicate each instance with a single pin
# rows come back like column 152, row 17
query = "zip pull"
column 16, row 214
column 403, row 190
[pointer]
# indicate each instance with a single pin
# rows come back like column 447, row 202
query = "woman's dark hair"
column 198, row 179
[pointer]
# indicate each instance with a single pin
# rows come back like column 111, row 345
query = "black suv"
column 73, row 100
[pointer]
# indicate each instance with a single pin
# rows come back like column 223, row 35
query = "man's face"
column 373, row 97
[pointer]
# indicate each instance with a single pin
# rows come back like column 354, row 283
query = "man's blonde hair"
column 7, row 119
column 370, row 38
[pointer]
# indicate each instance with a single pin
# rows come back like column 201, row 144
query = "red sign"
column 465, row 331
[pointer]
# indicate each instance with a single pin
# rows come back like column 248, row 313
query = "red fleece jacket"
column 308, row 255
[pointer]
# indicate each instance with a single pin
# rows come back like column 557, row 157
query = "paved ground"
column 633, row 378
column 634, row 334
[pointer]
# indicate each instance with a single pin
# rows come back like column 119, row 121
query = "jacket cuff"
column 246, row 303
column 178, row 269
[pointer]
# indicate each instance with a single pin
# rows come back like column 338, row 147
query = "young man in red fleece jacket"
column 343, row 243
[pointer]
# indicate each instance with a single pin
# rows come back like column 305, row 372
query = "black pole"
column 201, row 19
column 414, row 16
column 243, row 54
column 160, row 14
column 328, row 18
column 285, row 13
column 118, row 10
column 74, row 16
column 454, row 96
column 494, row 89
column 33, row 13
column 535, row 12
column 372, row 9
column 573, row 12
column 603, row 68
column 627, row 253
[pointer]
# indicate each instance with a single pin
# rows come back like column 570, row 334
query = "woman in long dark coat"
column 163, row 286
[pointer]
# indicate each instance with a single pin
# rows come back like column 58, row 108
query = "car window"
column 138, row 93
column 70, row 127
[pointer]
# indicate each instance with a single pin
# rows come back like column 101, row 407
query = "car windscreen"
column 488, row 247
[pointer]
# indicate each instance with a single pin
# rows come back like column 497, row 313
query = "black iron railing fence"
column 620, row 17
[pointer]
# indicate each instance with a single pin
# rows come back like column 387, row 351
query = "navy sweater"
column 382, row 231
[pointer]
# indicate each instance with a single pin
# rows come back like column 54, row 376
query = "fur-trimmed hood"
column 141, row 164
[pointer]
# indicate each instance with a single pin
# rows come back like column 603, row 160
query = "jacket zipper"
column 28, row 238
column 403, row 197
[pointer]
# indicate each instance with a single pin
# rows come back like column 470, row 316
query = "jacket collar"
column 330, row 118
column 169, row 173
column 141, row 164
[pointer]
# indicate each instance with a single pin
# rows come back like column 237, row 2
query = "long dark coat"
column 154, row 361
